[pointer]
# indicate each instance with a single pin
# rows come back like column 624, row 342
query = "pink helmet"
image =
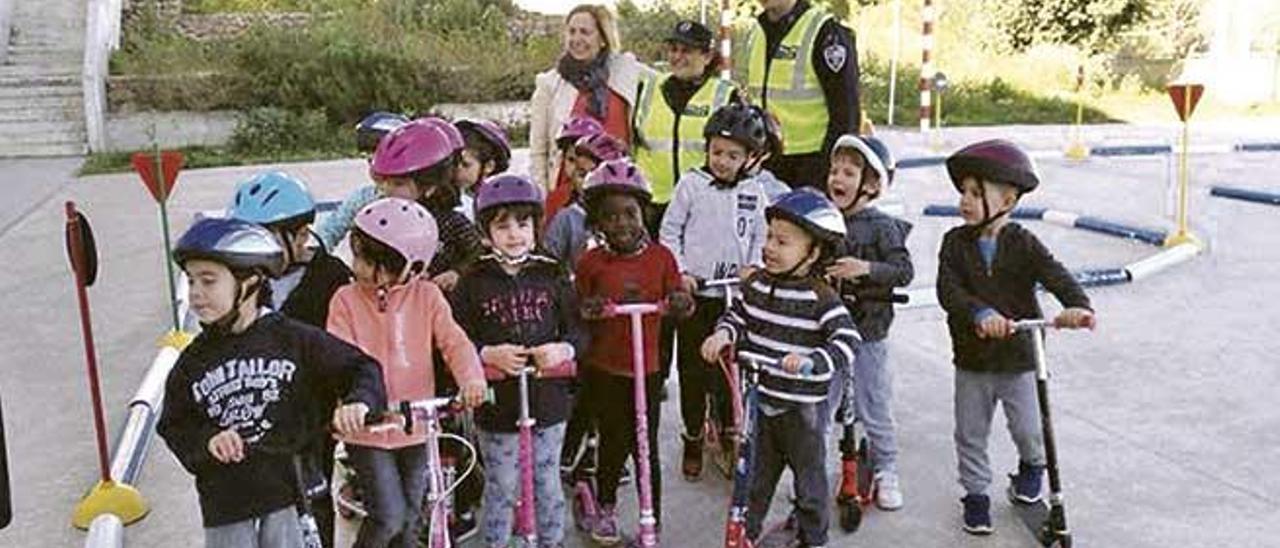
column 616, row 176
column 402, row 225
column 577, row 128
column 602, row 147
column 415, row 146
column 455, row 136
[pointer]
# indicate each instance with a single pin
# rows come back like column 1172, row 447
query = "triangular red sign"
column 1185, row 98
column 145, row 164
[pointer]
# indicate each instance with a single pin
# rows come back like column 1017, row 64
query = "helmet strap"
column 987, row 217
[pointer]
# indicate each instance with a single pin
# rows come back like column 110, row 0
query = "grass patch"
column 196, row 157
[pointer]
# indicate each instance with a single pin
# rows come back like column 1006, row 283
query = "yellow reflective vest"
column 668, row 144
column 787, row 85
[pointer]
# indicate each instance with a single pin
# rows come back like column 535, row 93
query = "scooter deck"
column 1033, row 516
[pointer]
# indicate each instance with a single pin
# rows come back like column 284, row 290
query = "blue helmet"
column 271, row 198
column 811, row 211
column 374, row 127
column 242, row 246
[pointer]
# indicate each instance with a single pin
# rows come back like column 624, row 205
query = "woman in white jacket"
column 591, row 78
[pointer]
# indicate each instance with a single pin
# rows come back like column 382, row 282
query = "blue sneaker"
column 1025, row 486
column 977, row 514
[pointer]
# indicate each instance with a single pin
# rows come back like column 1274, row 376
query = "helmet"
column 602, row 147
column 995, row 160
column 811, row 211
column 240, row 245
column 740, row 123
column 272, row 197
column 874, row 159
column 374, row 127
column 577, row 128
column 619, row 176
column 402, row 225
column 415, row 146
column 886, row 157
column 506, row 189
column 492, row 134
column 451, row 131
column 772, row 130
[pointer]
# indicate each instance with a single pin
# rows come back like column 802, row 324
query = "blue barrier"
column 921, row 161
column 1107, row 151
column 1102, row 276
column 1153, row 237
column 1268, row 198
column 327, row 206
column 1133, row 150
column 1258, row 147
column 1034, row 213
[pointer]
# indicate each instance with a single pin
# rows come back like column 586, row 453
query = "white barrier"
column 1173, row 256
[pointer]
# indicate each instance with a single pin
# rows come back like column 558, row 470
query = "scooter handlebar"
column 718, row 282
column 563, row 370
column 627, row 309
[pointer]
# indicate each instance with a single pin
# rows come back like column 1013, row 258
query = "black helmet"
column 811, row 211
column 242, row 246
column 995, row 160
column 740, row 123
column 373, row 127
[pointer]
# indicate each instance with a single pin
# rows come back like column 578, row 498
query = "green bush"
column 276, row 132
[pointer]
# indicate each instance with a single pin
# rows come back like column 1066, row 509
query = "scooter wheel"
column 583, row 509
column 850, row 516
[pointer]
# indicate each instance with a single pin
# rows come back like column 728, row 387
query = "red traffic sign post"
column 170, row 163
column 1185, row 97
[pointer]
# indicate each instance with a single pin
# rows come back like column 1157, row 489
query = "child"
column 567, row 235
column 369, row 132
column 627, row 268
column 714, row 226
column 282, row 204
column 875, row 261
column 988, row 270
column 398, row 317
column 418, row 160
column 570, row 132
column 253, row 389
column 487, row 153
column 788, row 313
column 520, row 310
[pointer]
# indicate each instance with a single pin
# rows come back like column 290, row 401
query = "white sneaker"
column 888, row 493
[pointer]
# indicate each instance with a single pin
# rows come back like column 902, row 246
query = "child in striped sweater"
column 788, row 314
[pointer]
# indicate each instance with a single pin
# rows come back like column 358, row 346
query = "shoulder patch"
column 835, row 55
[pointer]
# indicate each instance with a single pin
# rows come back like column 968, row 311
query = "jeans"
column 393, row 482
column 793, row 439
column 279, row 529
column 502, row 484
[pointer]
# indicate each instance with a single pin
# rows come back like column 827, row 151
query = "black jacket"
column 277, row 384
column 309, row 301
column 881, row 240
column 536, row 306
column 966, row 286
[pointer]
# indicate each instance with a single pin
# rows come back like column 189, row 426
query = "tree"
column 1090, row 24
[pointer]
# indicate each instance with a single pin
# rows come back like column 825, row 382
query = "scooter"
column 526, row 525
column 1048, row 522
column 586, row 506
column 723, row 435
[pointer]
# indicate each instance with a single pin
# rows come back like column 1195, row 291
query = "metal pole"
column 86, row 328
column 164, row 229
column 893, row 59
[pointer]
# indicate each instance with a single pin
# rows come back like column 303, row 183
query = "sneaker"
column 463, row 527
column 1025, row 486
column 977, row 514
column 888, row 493
column 691, row 464
column 605, row 532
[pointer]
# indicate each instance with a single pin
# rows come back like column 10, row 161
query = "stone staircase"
column 41, row 101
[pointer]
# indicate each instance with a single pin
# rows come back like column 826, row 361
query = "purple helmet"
column 415, row 146
column 492, row 134
column 616, row 176
column 504, row 190
column 455, row 137
column 995, row 160
column 577, row 128
column 602, row 147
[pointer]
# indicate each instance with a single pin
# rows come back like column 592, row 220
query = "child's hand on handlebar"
column 472, row 393
column 227, row 446
column 593, row 308
column 714, row 345
column 349, row 419
column 680, row 304
column 689, row 283
column 848, row 268
column 1076, row 318
column 995, row 326
column 507, row 358
column 795, row 363
column 551, row 354
column 745, row 271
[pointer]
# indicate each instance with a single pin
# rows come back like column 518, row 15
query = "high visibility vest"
column 787, row 85
column 667, row 145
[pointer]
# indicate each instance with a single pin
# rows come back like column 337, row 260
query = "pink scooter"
column 526, row 524
column 586, row 507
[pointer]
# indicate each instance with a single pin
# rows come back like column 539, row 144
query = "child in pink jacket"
column 397, row 316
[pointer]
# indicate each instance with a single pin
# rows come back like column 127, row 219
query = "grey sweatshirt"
column 712, row 231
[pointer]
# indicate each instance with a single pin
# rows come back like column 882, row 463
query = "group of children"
column 459, row 267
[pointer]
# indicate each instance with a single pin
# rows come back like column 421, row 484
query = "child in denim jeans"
column 521, row 310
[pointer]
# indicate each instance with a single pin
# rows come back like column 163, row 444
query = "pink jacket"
column 417, row 318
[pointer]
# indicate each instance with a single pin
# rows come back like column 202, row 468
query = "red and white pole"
column 726, row 39
column 926, row 66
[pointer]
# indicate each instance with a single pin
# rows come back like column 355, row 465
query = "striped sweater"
column 776, row 317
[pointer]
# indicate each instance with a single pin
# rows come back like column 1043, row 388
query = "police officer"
column 672, row 109
column 802, row 66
